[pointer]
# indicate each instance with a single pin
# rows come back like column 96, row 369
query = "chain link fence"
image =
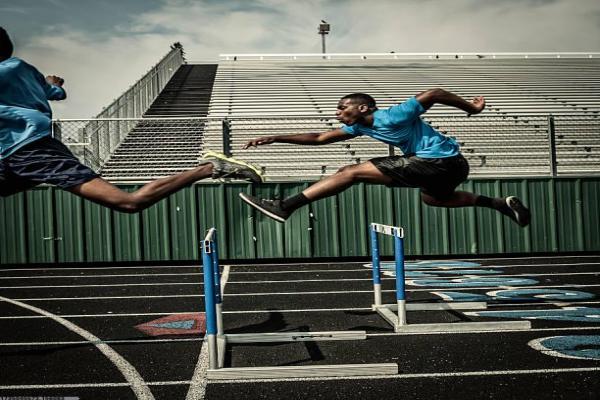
column 148, row 148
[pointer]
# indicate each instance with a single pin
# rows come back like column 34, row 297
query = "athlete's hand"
column 55, row 80
column 478, row 105
column 259, row 142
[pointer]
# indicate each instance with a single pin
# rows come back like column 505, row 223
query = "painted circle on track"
column 582, row 347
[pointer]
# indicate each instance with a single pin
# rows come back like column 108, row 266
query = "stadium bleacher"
column 282, row 96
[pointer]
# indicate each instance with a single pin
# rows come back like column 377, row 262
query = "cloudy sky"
column 101, row 47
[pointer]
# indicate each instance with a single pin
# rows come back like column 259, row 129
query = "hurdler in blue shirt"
column 29, row 156
column 25, row 114
column 431, row 161
column 401, row 126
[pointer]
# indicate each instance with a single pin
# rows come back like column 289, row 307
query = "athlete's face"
column 349, row 112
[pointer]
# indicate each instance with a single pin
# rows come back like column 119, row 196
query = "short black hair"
column 6, row 46
column 361, row 98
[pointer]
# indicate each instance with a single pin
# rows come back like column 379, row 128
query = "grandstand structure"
column 542, row 116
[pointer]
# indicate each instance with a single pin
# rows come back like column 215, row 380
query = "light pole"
column 324, row 29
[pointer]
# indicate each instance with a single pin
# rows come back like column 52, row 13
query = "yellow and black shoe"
column 228, row 167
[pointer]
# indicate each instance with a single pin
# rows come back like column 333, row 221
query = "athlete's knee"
column 350, row 171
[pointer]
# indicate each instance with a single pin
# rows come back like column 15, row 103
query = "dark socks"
column 294, row 202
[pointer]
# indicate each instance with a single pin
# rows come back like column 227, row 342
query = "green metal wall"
column 47, row 225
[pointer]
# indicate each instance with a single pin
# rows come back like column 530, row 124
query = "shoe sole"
column 212, row 154
column 259, row 208
column 522, row 214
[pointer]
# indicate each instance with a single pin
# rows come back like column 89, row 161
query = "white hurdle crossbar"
column 217, row 340
column 395, row 314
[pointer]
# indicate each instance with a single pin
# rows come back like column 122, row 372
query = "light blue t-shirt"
column 25, row 114
column 401, row 126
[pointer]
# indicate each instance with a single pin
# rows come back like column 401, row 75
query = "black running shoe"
column 519, row 213
column 271, row 208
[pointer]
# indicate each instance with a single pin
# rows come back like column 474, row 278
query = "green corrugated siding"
column 569, row 221
column 128, row 233
column 463, row 227
column 381, row 211
column 325, row 227
column 99, row 233
column 183, row 216
column 241, row 239
column 69, row 227
column 46, row 225
column 353, row 222
column 590, row 191
column 408, row 209
column 489, row 222
column 156, row 235
column 544, row 237
column 297, row 229
column 13, row 245
column 40, row 226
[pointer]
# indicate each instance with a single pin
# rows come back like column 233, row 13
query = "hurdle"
column 216, row 339
column 395, row 314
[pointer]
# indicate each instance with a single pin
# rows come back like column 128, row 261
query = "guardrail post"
column 552, row 144
column 227, row 137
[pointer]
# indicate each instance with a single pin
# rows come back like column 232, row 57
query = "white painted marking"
column 224, row 278
column 78, row 342
column 197, row 388
column 427, row 375
column 88, row 385
column 98, row 276
column 131, row 375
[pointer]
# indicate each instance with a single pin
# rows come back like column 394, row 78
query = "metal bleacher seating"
column 265, row 96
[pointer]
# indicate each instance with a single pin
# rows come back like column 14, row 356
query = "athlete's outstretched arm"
column 332, row 136
column 430, row 97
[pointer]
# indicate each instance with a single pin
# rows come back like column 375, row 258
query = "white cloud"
column 98, row 67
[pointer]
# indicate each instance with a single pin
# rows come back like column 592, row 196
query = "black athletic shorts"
column 437, row 177
column 45, row 160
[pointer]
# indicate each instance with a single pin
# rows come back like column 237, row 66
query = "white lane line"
column 374, row 335
column 413, row 268
column 131, row 375
column 358, row 268
column 167, row 296
column 101, row 286
column 422, row 289
column 124, row 341
column 236, row 312
column 53, row 267
column 425, row 375
column 99, row 276
column 85, row 268
column 447, row 276
column 295, row 280
column 471, row 332
column 88, row 385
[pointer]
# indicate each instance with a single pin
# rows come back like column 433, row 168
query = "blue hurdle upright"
column 217, row 340
column 395, row 314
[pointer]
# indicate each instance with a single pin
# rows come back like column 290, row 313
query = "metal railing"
column 516, row 145
column 400, row 56
column 138, row 98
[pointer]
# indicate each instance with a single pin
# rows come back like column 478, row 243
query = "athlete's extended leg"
column 345, row 177
column 102, row 192
column 510, row 206
column 213, row 165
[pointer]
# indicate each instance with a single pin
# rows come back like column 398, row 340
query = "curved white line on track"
column 136, row 382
